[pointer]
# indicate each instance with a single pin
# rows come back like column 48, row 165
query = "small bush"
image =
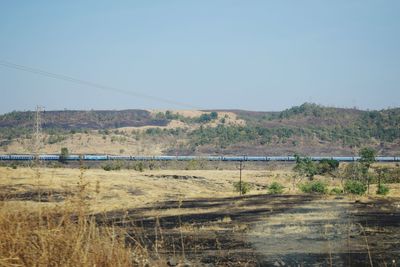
column 382, row 189
column 139, row 167
column 106, row 167
column 355, row 187
column 314, row 187
column 246, row 187
column 112, row 166
column 336, row 191
column 13, row 166
column 275, row 188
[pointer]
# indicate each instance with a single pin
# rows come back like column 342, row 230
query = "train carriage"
column 214, row 158
column 184, row 158
column 4, row 157
column 240, row 158
column 256, row 158
column 165, row 158
column 143, row 158
column 95, row 157
column 49, row 157
column 73, row 157
column 112, row 157
column 22, row 157
column 277, row 158
column 343, row 159
column 91, row 157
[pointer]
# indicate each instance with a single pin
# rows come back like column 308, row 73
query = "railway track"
column 91, row 157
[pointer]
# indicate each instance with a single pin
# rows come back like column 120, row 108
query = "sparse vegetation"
column 139, row 167
column 305, row 166
column 327, row 166
column 275, row 188
column 382, row 189
column 333, row 128
column 244, row 186
column 336, row 191
column 314, row 187
column 355, row 187
column 53, row 139
column 112, row 166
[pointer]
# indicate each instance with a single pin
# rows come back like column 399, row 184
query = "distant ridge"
column 308, row 129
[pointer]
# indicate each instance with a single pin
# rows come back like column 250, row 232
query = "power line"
column 71, row 79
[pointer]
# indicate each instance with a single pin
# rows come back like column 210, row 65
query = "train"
column 93, row 157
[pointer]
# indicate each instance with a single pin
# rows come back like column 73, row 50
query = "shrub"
column 355, row 187
column 245, row 187
column 139, row 167
column 112, row 166
column 327, row 166
column 336, row 191
column 305, row 166
column 314, row 187
column 382, row 189
column 275, row 188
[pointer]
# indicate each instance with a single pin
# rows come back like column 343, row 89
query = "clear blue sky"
column 256, row 55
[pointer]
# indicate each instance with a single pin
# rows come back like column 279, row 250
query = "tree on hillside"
column 367, row 157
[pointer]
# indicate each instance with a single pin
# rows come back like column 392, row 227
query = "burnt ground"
column 25, row 192
column 269, row 230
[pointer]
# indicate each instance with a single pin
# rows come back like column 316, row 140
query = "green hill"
column 307, row 129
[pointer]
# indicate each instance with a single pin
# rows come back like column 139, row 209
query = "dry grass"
column 64, row 233
column 130, row 189
column 127, row 189
column 52, row 238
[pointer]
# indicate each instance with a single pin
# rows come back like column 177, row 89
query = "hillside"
column 307, row 129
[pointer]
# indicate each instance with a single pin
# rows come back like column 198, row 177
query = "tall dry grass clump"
column 62, row 236
column 57, row 240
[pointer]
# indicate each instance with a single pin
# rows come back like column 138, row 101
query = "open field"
column 196, row 215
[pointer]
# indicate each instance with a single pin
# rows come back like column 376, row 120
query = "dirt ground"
column 195, row 214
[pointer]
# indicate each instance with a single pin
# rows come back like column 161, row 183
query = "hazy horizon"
column 177, row 110
column 253, row 55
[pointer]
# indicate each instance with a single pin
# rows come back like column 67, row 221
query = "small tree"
column 367, row 155
column 306, row 167
column 242, row 187
column 382, row 173
column 327, row 166
column 275, row 188
column 64, row 155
